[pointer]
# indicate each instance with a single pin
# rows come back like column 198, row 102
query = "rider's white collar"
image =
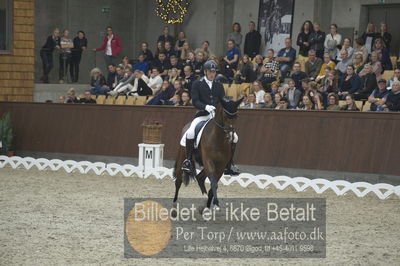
column 209, row 83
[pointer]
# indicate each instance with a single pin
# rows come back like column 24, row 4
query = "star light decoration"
column 172, row 11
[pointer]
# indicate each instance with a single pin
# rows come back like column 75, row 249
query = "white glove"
column 210, row 109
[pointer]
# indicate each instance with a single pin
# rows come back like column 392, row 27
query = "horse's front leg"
column 214, row 188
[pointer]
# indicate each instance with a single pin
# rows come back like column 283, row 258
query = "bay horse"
column 213, row 152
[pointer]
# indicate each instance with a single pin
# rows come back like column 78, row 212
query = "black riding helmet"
column 210, row 65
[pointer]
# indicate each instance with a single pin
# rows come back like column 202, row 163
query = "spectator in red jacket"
column 111, row 47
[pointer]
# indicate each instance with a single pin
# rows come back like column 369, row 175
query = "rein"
column 227, row 129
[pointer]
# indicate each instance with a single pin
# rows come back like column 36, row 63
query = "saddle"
column 198, row 133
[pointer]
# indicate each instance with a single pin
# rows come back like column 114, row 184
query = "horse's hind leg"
column 201, row 177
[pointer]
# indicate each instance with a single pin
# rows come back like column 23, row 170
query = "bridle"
column 227, row 129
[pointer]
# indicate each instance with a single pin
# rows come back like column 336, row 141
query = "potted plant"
column 6, row 135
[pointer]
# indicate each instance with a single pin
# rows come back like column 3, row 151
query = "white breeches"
column 123, row 88
column 190, row 133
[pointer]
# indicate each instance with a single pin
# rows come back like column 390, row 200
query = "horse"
column 213, row 152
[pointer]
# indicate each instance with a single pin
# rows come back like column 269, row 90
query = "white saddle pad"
column 198, row 138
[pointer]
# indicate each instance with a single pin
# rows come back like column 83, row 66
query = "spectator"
column 392, row 101
column 377, row 96
column 286, row 57
column 274, row 88
column 61, row 99
column 383, row 54
column 235, row 35
column 231, row 60
column 185, row 99
column 169, row 50
column 268, row 103
column 198, row 65
column 185, row 51
column 141, row 64
column 350, row 104
column 341, row 67
column 175, row 100
column 269, row 70
column 245, row 71
column 98, row 82
column 155, row 81
column 66, row 45
column 318, row 102
column 252, row 41
column 126, row 84
column 396, row 77
column 188, row 78
column 139, row 75
column 281, row 102
column 251, row 101
column 257, row 88
column 190, row 59
column 368, row 84
column 166, row 92
column 162, row 64
column 176, row 64
column 346, row 46
column 71, row 96
column 349, row 83
column 148, row 55
column 327, row 63
column 358, row 63
column 360, row 49
column 125, row 61
column 87, row 98
column 369, row 37
column 111, row 47
column 303, row 41
column 298, row 75
column 293, row 95
column 257, row 66
column 46, row 54
column 205, row 50
column 159, row 49
column 165, row 37
column 385, row 35
column 179, row 44
column 112, row 76
column 333, row 102
column 313, row 65
column 307, row 103
column 317, row 39
column 172, row 75
column 80, row 45
column 376, row 65
column 329, row 85
column 332, row 41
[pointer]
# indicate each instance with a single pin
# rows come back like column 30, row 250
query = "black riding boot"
column 187, row 165
column 229, row 168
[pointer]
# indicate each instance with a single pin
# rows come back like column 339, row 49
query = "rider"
column 206, row 94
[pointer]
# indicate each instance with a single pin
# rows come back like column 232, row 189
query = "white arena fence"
column 340, row 187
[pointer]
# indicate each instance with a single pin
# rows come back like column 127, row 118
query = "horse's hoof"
column 216, row 207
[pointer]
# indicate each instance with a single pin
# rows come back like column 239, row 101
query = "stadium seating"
column 120, row 100
column 101, row 99
column 387, row 74
column 110, row 100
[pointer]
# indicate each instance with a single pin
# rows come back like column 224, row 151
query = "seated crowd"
column 326, row 71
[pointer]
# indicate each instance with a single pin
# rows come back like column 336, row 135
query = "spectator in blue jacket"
column 142, row 64
column 298, row 75
column 286, row 57
column 349, row 83
column 383, row 53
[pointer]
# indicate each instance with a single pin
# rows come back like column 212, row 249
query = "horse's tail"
column 186, row 178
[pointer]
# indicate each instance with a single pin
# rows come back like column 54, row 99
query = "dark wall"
column 336, row 141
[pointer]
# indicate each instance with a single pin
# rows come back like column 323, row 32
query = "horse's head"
column 227, row 111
